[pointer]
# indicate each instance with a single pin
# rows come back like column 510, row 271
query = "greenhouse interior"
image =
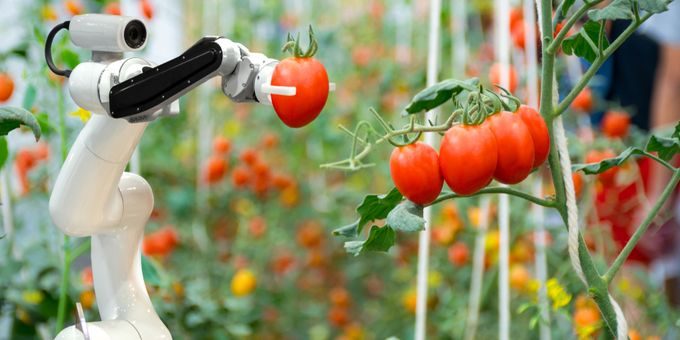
column 340, row 170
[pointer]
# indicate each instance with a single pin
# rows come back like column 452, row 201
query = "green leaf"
column 29, row 97
column 4, row 151
column 653, row 6
column 379, row 239
column 44, row 121
column 566, row 6
column 407, row 216
column 439, row 94
column 617, row 9
column 12, row 117
column 376, row 207
column 606, row 164
column 577, row 44
column 150, row 272
column 665, row 147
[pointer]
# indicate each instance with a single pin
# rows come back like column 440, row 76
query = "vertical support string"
column 424, row 237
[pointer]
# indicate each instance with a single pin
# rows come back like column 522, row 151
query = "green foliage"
column 12, row 117
column 585, row 43
column 439, row 94
column 373, row 207
column 379, row 239
column 4, row 151
column 150, row 272
column 665, row 147
column 566, row 5
column 627, row 9
column 407, row 216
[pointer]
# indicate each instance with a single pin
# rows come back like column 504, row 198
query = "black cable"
column 48, row 50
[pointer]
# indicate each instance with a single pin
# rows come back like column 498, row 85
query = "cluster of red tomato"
column 254, row 172
column 26, row 160
column 506, row 147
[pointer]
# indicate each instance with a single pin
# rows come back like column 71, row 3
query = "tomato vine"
column 473, row 104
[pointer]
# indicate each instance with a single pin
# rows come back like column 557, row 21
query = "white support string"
column 572, row 209
column 424, row 237
column 477, row 271
column 501, row 40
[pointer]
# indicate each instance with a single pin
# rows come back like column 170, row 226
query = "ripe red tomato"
column 539, row 133
column 577, row 178
column 415, row 172
column 338, row 316
column 517, row 33
column 215, row 169
column 112, row 8
column 249, row 156
column 73, row 7
column 615, row 124
column 495, row 76
column 6, row 87
column 240, row 177
column 583, row 101
column 459, row 254
column 146, row 8
column 516, row 16
column 221, row 145
column 310, row 79
column 467, row 158
column 515, row 147
column 595, row 156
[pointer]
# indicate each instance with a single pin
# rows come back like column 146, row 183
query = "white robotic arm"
column 93, row 196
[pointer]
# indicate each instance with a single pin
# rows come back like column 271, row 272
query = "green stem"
column 599, row 61
column 596, row 286
column 498, row 190
column 554, row 46
column 79, row 250
column 628, row 248
column 66, row 270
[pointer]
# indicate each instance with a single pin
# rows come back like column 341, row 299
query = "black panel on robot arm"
column 156, row 84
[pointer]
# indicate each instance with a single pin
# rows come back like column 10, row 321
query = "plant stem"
column 498, row 190
column 552, row 48
column 597, row 287
column 628, row 248
column 66, row 270
column 595, row 66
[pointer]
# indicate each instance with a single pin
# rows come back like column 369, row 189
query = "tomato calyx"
column 483, row 103
column 293, row 45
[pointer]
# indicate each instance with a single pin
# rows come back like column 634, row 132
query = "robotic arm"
column 93, row 196
column 136, row 90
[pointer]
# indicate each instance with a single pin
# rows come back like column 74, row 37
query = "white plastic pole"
column 530, row 55
column 501, row 40
column 459, row 46
column 424, row 239
column 477, row 271
column 6, row 202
